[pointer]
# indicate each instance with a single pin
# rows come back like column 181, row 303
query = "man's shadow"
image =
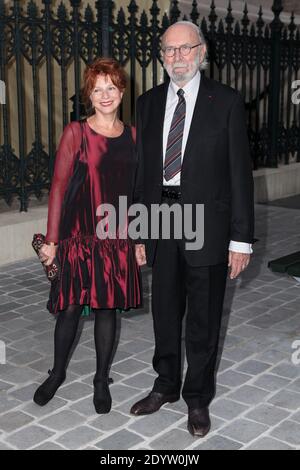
column 250, row 274
column 256, row 265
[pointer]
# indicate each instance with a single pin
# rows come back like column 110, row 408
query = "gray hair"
column 204, row 64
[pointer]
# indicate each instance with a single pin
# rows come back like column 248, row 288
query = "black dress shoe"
column 199, row 422
column 102, row 397
column 152, row 403
column 47, row 390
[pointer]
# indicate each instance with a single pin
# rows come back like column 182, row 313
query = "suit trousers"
column 178, row 288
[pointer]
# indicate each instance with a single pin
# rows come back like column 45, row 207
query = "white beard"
column 182, row 77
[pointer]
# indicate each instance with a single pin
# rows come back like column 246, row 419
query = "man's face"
column 182, row 68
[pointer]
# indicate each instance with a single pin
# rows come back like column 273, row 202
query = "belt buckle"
column 171, row 193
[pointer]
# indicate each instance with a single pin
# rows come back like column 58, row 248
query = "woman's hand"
column 47, row 254
column 140, row 254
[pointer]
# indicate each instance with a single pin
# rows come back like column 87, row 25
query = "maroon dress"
column 90, row 170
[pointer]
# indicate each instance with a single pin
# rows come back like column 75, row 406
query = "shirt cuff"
column 240, row 247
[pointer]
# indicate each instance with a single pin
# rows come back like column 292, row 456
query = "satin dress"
column 91, row 170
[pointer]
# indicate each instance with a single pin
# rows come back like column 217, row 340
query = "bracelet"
column 51, row 243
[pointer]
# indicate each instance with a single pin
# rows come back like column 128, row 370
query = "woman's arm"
column 68, row 147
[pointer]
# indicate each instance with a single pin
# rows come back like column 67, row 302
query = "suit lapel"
column 202, row 120
column 158, row 125
column 202, row 116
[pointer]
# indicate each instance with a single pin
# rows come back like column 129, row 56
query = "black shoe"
column 102, row 397
column 47, row 390
column 152, row 403
column 199, row 422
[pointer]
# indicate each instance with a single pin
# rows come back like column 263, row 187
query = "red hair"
column 102, row 66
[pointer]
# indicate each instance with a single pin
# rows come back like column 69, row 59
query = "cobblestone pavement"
column 257, row 405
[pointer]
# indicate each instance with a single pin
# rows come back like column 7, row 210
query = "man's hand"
column 140, row 254
column 237, row 262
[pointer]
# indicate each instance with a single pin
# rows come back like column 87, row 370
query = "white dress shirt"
column 190, row 94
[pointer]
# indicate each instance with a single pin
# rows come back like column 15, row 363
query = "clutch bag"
column 53, row 270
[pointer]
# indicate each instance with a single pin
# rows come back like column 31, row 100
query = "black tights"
column 65, row 332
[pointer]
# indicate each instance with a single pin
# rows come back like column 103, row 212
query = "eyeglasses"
column 184, row 50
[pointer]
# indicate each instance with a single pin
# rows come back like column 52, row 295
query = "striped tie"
column 172, row 164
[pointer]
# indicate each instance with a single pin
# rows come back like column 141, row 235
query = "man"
column 193, row 149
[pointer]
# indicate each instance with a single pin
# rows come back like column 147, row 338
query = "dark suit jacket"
column 216, row 169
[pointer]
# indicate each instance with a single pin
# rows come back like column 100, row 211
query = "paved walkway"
column 258, row 396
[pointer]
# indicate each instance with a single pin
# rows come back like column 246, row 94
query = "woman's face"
column 105, row 96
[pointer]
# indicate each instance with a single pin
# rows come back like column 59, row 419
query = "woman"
column 95, row 164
